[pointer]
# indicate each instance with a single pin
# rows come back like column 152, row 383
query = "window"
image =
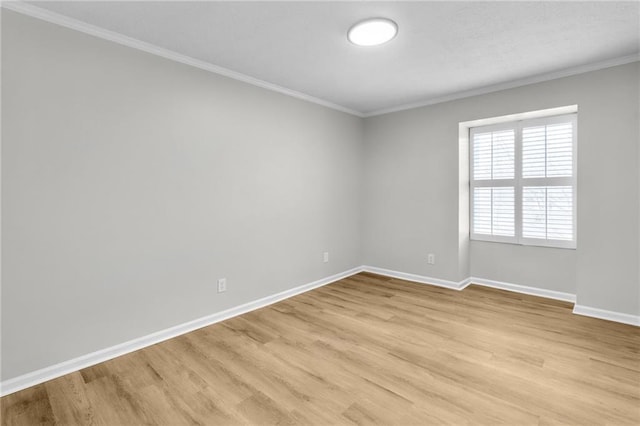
column 523, row 182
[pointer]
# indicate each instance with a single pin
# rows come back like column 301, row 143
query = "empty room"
column 320, row 213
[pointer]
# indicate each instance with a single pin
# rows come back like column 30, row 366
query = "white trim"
column 48, row 373
column 581, row 69
column 521, row 116
column 516, row 288
column 417, row 278
column 465, row 283
column 533, row 291
column 74, row 24
column 606, row 315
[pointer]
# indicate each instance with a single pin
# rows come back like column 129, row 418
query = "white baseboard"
column 417, row 278
column 461, row 285
column 533, row 291
column 516, row 288
column 606, row 315
column 48, row 373
column 84, row 361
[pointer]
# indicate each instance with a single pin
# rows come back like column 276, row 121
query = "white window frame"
column 518, row 182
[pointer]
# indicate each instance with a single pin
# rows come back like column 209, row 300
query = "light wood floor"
column 365, row 350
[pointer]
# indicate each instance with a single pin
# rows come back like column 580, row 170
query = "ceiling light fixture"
column 372, row 32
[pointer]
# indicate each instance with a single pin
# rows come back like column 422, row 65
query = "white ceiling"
column 442, row 48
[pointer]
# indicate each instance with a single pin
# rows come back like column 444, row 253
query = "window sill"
column 567, row 245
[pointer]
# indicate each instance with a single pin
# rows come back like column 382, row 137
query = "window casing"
column 523, row 182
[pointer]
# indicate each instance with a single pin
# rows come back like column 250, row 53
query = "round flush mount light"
column 372, row 32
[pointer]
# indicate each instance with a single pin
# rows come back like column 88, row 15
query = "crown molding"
column 567, row 72
column 74, row 24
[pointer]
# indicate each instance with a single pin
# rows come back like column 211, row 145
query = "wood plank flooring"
column 364, row 350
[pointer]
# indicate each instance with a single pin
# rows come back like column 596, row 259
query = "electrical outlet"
column 222, row 285
column 326, row 257
column 431, row 259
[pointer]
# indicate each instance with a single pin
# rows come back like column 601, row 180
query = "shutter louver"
column 503, row 212
column 560, row 213
column 534, row 212
column 547, row 212
column 482, row 156
column 547, row 151
column 560, row 150
column 482, row 210
column 503, row 154
column 533, row 152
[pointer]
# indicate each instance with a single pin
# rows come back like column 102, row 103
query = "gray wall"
column 411, row 192
column 131, row 183
column 411, row 204
column 607, row 261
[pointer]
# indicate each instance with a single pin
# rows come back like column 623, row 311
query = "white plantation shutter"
column 503, row 211
column 493, row 175
column 523, row 182
column 547, row 151
column 547, row 212
column 503, row 154
column 560, row 213
column 548, row 181
column 482, row 210
column 494, row 211
column 482, row 156
column 493, row 155
column 534, row 212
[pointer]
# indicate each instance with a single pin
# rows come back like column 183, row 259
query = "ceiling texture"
column 443, row 50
